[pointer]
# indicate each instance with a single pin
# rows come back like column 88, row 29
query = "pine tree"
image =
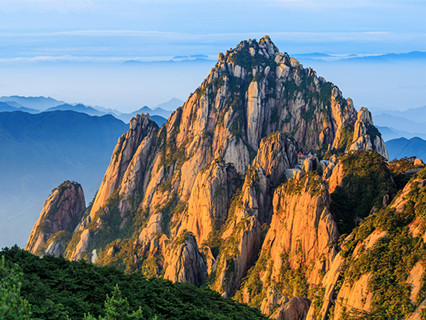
column 117, row 308
column 12, row 305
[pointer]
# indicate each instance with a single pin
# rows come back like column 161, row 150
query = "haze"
column 76, row 50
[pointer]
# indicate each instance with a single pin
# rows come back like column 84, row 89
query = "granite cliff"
column 61, row 213
column 226, row 194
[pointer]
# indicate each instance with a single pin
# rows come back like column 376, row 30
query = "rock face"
column 252, row 208
column 300, row 242
column 61, row 213
column 366, row 136
column 186, row 263
column 356, row 283
column 128, row 159
column 205, row 197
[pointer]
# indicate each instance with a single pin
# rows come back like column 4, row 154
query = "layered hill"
column 401, row 147
column 225, row 192
column 41, row 150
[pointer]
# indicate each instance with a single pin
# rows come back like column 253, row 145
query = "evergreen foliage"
column 12, row 305
column 59, row 289
column 391, row 258
column 117, row 308
column 367, row 180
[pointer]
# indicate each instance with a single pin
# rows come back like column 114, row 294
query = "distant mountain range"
column 391, row 57
column 39, row 151
column 159, row 113
column 184, row 59
column 38, row 103
column 406, row 123
column 170, row 105
column 388, row 57
column 402, row 147
column 78, row 108
column 13, row 106
column 44, row 141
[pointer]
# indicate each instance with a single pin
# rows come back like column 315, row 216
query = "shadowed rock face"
column 366, row 136
column 61, row 213
column 346, row 293
column 201, row 199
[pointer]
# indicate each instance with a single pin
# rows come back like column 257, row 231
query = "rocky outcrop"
column 366, row 136
column 299, row 243
column 205, row 197
column 61, row 213
column 126, row 161
column 209, row 200
column 185, row 263
column 355, row 284
column 295, row 309
column 252, row 209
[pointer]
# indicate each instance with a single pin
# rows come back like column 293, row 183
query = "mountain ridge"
column 402, row 147
column 200, row 198
column 41, row 150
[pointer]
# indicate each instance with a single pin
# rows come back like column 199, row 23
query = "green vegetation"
column 391, row 258
column 310, row 182
column 399, row 169
column 373, row 132
column 170, row 154
column 183, row 237
column 117, row 307
column 325, row 92
column 316, row 295
column 12, row 305
column 171, row 207
column 400, row 166
column 252, row 282
column 57, row 288
column 214, row 239
column 242, row 57
column 345, row 139
column 290, row 89
column 291, row 282
column 366, row 181
column 109, row 228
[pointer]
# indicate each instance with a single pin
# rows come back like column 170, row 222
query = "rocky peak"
column 265, row 47
column 366, row 136
column 141, row 128
column 364, row 115
column 198, row 197
column 257, row 90
column 60, row 215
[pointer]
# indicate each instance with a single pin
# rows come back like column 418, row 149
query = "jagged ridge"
column 192, row 200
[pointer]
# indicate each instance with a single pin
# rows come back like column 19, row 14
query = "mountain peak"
column 250, row 52
column 191, row 199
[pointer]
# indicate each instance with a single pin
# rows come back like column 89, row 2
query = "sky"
column 74, row 50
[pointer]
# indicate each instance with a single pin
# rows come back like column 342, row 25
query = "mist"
column 129, row 86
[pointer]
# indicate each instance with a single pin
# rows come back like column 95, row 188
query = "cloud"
column 97, row 59
column 91, row 44
column 287, row 35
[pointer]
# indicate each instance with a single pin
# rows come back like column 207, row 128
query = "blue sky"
column 42, row 40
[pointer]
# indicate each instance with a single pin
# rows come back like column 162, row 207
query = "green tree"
column 12, row 305
column 117, row 308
